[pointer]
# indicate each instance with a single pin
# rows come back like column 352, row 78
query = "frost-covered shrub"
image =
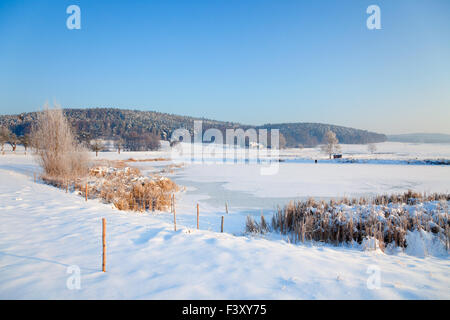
column 58, row 153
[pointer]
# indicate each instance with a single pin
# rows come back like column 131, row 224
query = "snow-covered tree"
column 372, row 147
column 331, row 145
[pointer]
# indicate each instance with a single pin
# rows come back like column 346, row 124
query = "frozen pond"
column 303, row 180
column 218, row 195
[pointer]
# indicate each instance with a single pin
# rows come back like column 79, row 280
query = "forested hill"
column 311, row 134
column 114, row 123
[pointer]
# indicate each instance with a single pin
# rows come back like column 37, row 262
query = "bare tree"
column 25, row 140
column 13, row 140
column 331, row 145
column 119, row 143
column 97, row 145
column 57, row 151
column 371, row 147
column 4, row 137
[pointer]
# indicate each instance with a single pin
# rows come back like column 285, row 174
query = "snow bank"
column 422, row 244
column 44, row 231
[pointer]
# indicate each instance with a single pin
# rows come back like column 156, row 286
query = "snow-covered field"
column 44, row 231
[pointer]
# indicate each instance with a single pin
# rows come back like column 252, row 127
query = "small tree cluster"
column 6, row 136
column 141, row 141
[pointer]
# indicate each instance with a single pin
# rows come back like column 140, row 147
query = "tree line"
column 126, row 125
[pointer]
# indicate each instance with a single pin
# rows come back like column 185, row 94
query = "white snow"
column 43, row 231
column 422, row 244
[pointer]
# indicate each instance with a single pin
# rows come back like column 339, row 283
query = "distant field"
column 420, row 138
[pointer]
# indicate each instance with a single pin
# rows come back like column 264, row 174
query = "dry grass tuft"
column 252, row 226
column 124, row 187
column 128, row 190
column 384, row 218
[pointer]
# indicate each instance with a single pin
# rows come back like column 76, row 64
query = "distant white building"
column 256, row 145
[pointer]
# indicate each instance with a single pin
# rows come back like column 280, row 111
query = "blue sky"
column 251, row 61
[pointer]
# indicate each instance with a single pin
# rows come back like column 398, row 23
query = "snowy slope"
column 43, row 231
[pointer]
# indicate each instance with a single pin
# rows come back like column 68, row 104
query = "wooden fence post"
column 174, row 220
column 198, row 216
column 447, row 233
column 226, row 207
column 221, row 226
column 104, row 244
column 86, row 191
column 174, row 214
